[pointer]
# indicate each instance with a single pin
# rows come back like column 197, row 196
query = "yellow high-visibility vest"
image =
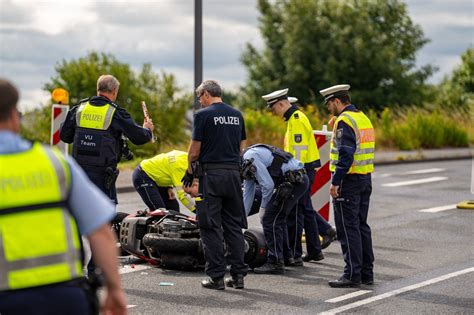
column 39, row 239
column 299, row 139
column 94, row 117
column 365, row 142
column 167, row 170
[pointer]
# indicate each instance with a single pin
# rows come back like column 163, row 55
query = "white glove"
column 261, row 213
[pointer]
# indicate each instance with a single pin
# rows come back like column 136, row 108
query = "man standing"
column 299, row 141
column 218, row 135
column 352, row 162
column 283, row 181
column 46, row 202
column 155, row 180
column 95, row 127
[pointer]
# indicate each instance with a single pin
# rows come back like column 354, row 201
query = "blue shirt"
column 220, row 128
column 263, row 158
column 347, row 148
column 88, row 205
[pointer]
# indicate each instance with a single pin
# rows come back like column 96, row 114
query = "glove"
column 187, row 179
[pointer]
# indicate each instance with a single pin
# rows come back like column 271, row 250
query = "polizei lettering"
column 226, row 120
column 91, row 117
column 27, row 181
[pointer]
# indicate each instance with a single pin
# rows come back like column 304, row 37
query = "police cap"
column 292, row 99
column 275, row 96
column 335, row 91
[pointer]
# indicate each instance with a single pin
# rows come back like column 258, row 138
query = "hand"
column 148, row 123
column 334, row 191
column 187, row 179
column 115, row 302
column 331, row 122
column 171, row 194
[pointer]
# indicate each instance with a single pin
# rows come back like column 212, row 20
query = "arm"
column 104, row 251
column 68, row 128
column 138, row 135
column 193, row 153
column 265, row 181
column 346, row 147
column 249, row 194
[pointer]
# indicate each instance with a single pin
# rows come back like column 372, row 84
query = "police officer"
column 352, row 162
column 299, row 141
column 326, row 231
column 218, row 133
column 46, row 200
column 283, row 182
column 95, row 127
column 155, row 180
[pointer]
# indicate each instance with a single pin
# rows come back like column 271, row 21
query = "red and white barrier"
column 58, row 115
column 320, row 190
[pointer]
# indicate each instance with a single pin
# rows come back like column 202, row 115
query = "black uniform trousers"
column 274, row 221
column 221, row 217
column 304, row 217
column 152, row 195
column 350, row 212
column 60, row 298
column 97, row 176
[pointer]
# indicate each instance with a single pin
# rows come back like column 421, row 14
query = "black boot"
column 271, row 268
column 328, row 238
column 343, row 283
column 316, row 257
column 236, row 281
column 213, row 283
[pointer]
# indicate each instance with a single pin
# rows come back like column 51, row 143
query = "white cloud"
column 37, row 34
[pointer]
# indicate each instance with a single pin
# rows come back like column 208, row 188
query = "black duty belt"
column 218, row 166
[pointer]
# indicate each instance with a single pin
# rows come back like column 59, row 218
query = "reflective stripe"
column 356, row 163
column 79, row 113
column 71, row 256
column 356, row 130
column 3, row 267
column 298, row 149
column 108, row 117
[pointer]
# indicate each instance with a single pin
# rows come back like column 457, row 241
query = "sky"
column 35, row 35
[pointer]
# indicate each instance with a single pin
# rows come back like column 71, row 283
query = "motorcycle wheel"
column 116, row 224
column 256, row 254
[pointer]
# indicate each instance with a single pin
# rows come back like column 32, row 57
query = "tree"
column 456, row 92
column 310, row 45
column 166, row 102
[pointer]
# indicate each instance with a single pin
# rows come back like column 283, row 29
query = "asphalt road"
column 424, row 260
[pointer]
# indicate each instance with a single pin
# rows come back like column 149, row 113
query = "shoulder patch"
column 298, row 138
column 339, row 133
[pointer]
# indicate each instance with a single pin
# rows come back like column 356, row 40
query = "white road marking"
column 416, row 181
column 347, row 296
column 129, row 268
column 396, row 292
column 130, row 306
column 439, row 209
column 426, row 171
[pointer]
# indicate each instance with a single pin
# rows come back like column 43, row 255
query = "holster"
column 283, row 192
column 295, row 177
column 111, row 175
column 90, row 288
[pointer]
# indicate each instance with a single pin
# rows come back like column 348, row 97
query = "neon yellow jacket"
column 365, row 141
column 300, row 141
column 167, row 170
column 39, row 243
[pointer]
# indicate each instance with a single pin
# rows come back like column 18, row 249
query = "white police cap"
column 335, row 91
column 276, row 96
column 292, row 99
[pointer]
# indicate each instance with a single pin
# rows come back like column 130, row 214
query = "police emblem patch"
column 298, row 138
column 339, row 133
